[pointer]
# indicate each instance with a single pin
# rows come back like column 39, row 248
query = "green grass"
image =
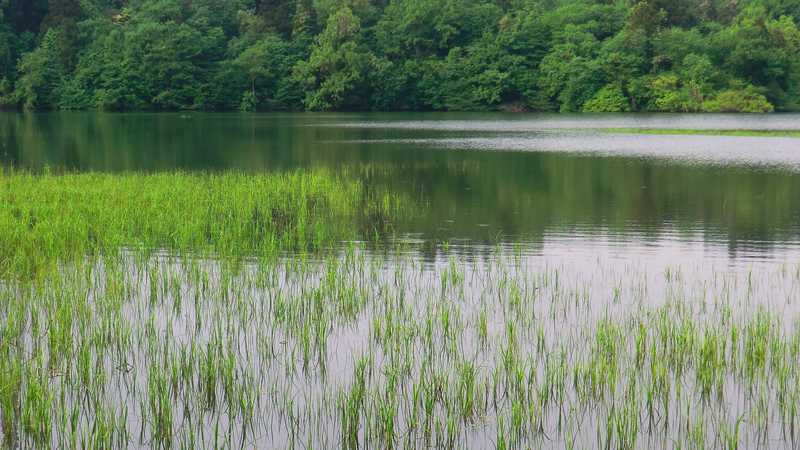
column 47, row 219
column 357, row 349
column 686, row 131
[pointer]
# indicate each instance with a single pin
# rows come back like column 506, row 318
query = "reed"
column 217, row 330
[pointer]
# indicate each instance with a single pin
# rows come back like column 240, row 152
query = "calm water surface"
column 557, row 185
column 579, row 224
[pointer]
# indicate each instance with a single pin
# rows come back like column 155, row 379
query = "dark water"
column 557, row 184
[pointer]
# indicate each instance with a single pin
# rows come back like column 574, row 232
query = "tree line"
column 513, row 55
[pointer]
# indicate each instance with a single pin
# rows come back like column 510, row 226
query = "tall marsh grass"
column 46, row 218
column 138, row 332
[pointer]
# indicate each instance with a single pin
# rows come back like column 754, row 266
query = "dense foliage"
column 50, row 219
column 560, row 55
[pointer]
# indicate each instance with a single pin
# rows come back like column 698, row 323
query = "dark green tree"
column 564, row 55
column 335, row 74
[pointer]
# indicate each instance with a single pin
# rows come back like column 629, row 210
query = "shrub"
column 608, row 99
column 745, row 100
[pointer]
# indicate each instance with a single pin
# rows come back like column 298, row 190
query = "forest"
column 396, row 55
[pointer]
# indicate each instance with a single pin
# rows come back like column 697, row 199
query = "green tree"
column 699, row 75
column 668, row 94
column 265, row 63
column 742, row 99
column 608, row 99
column 471, row 79
column 565, row 55
column 569, row 74
column 335, row 74
column 41, row 75
column 526, row 38
column 764, row 52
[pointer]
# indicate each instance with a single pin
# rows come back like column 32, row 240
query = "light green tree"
column 335, row 74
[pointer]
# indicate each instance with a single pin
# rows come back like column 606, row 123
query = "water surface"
column 547, row 225
column 556, row 184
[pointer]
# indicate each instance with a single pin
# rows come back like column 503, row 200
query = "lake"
column 555, row 184
column 562, row 282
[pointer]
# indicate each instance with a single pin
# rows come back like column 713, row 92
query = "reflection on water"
column 543, row 181
column 579, row 246
column 544, row 122
column 747, row 151
column 585, row 289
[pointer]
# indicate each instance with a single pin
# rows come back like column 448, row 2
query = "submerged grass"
column 352, row 349
column 689, row 131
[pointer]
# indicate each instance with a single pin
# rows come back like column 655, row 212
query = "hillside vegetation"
column 539, row 55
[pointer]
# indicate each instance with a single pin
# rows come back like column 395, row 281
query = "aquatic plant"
column 47, row 219
column 163, row 336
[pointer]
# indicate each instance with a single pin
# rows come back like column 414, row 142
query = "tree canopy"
column 540, row 55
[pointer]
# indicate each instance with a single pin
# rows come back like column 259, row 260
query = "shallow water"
column 265, row 355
